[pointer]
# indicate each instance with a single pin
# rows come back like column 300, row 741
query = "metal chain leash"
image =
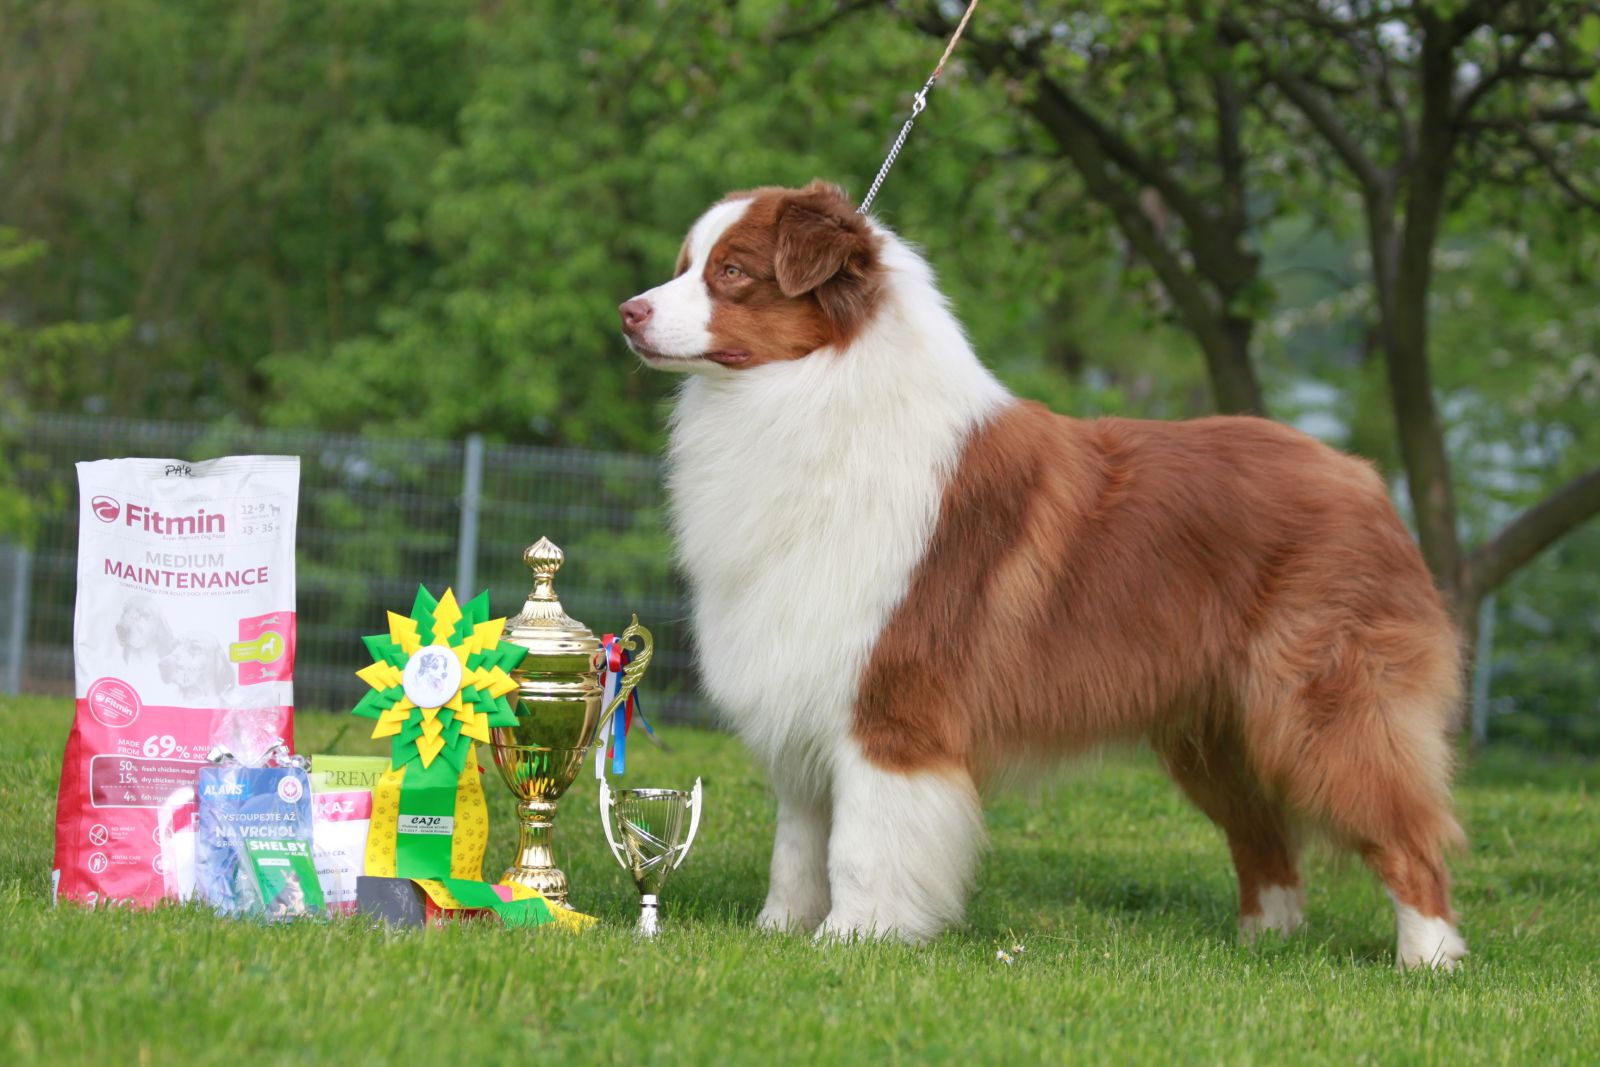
column 918, row 103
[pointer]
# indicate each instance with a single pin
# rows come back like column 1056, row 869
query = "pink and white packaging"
column 341, row 813
column 339, row 845
column 184, row 638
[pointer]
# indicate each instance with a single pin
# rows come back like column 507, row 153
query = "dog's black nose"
column 635, row 313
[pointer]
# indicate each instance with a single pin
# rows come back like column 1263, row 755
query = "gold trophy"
column 657, row 826
column 558, row 714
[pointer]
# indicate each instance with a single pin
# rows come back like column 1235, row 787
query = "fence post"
column 471, row 500
column 1480, row 672
column 17, row 632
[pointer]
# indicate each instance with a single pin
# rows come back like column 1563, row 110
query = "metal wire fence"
column 377, row 516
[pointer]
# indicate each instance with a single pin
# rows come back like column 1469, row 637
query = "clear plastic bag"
column 253, row 848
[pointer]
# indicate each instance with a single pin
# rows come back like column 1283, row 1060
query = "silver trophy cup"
column 652, row 833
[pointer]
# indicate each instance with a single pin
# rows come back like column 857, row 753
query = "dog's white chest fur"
column 803, row 497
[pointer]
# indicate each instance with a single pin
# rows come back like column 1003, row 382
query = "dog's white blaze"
column 903, row 851
column 1280, row 913
column 1425, row 941
column 803, row 496
column 680, row 320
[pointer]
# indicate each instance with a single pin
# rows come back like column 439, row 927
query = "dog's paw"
column 1279, row 912
column 1428, row 942
column 779, row 918
column 842, row 929
column 837, row 930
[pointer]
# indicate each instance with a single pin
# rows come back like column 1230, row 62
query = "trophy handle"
column 637, row 640
column 695, row 804
column 605, row 821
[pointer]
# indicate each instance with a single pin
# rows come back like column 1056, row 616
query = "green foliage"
column 35, row 361
column 221, row 174
column 1120, row 892
column 585, row 148
column 1546, row 657
column 1515, row 332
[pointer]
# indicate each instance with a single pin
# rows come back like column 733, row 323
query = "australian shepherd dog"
column 908, row 584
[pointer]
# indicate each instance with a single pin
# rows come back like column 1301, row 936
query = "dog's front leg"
column 797, row 895
column 903, row 851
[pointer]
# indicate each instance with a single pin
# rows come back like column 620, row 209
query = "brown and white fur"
column 908, row 583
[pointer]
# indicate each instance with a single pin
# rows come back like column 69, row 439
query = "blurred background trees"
column 1375, row 219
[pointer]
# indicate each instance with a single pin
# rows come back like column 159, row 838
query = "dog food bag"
column 184, row 638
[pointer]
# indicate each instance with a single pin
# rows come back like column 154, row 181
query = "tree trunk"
column 1405, row 328
column 1234, row 387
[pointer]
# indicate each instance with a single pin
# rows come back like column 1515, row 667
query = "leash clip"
column 918, row 103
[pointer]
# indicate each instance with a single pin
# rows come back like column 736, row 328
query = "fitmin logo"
column 152, row 521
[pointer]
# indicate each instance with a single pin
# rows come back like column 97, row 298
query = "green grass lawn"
column 1122, row 895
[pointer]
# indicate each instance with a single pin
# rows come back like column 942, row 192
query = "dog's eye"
column 730, row 271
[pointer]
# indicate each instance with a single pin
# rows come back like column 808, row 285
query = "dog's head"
column 764, row 276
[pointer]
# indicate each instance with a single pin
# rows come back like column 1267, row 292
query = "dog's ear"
column 818, row 231
column 826, row 248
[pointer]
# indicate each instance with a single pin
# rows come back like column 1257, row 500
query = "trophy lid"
column 556, row 642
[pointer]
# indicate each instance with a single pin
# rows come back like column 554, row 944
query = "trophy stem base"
column 550, row 881
column 535, row 866
column 649, row 917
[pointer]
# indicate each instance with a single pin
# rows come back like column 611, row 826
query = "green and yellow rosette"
column 440, row 679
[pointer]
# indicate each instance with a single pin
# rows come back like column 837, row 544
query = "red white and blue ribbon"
column 613, row 740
